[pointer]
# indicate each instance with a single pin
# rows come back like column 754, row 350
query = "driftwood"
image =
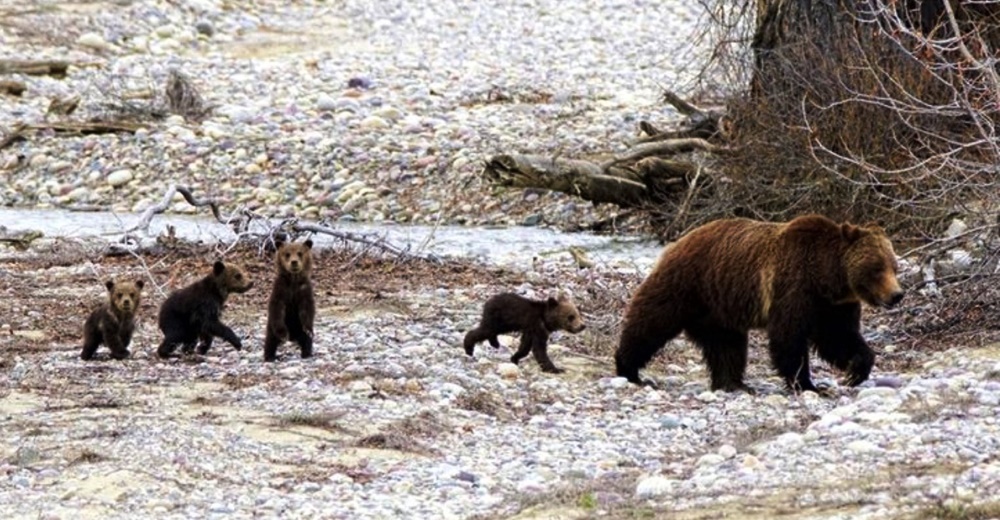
column 70, row 127
column 11, row 87
column 20, row 240
column 147, row 216
column 241, row 224
column 645, row 175
column 582, row 178
column 54, row 68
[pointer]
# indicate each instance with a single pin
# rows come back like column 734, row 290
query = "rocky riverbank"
column 392, row 420
column 378, row 111
column 383, row 111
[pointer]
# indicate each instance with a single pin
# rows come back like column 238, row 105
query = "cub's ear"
column 218, row 268
column 552, row 302
column 140, row 284
column 110, row 284
column 308, row 243
column 851, row 232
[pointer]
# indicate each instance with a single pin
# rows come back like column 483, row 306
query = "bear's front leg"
column 539, row 340
column 839, row 342
column 114, row 343
column 220, row 330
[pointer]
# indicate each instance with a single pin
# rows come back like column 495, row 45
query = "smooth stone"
column 204, row 27
column 655, row 486
column 326, row 103
column 119, row 178
column 508, row 370
column 863, row 446
column 374, row 123
column 93, row 40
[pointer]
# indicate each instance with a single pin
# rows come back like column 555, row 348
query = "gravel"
column 383, row 111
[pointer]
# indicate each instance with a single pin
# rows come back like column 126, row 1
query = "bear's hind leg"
column 788, row 337
column 472, row 337
column 523, row 349
column 725, row 353
column 839, row 342
column 271, row 342
column 305, row 342
column 91, row 341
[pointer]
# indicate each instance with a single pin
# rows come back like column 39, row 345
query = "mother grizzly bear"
column 803, row 281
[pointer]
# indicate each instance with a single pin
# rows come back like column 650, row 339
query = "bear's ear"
column 308, row 243
column 278, row 242
column 218, row 268
column 850, row 232
column 552, row 302
column 140, row 284
column 110, row 284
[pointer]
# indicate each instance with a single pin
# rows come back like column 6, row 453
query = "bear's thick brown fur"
column 113, row 322
column 803, row 281
column 534, row 319
column 194, row 312
column 292, row 307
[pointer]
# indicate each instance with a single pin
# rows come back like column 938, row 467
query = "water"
column 509, row 246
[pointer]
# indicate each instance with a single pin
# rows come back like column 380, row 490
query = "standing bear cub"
column 194, row 312
column 535, row 319
column 803, row 281
column 292, row 308
column 113, row 323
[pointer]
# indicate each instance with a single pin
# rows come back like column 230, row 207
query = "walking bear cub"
column 803, row 281
column 292, row 308
column 534, row 319
column 113, row 322
column 194, row 312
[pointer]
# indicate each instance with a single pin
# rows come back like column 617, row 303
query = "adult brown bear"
column 803, row 281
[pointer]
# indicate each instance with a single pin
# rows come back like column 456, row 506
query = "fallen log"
column 12, row 88
column 71, row 127
column 577, row 177
column 55, row 68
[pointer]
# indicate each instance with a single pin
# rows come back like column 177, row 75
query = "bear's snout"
column 895, row 298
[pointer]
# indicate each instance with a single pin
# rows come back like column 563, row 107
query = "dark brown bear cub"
column 113, row 323
column 535, row 319
column 803, row 281
column 194, row 312
column 291, row 310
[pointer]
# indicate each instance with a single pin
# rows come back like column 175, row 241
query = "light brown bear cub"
column 113, row 323
column 535, row 319
column 292, row 307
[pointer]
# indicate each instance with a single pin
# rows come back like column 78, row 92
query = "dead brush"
column 321, row 420
column 87, row 456
column 482, row 402
column 403, row 435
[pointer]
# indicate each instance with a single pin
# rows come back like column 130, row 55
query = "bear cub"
column 292, row 307
column 194, row 312
column 113, row 322
column 535, row 319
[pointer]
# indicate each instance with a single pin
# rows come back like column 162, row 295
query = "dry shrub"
column 851, row 110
